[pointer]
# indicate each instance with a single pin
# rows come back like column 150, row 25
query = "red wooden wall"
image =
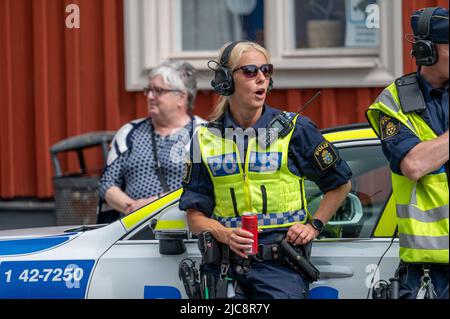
column 58, row 82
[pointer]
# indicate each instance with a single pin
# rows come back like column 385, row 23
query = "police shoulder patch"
column 325, row 155
column 388, row 127
column 187, row 171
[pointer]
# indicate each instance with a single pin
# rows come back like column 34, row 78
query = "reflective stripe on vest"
column 430, row 216
column 261, row 184
column 422, row 206
column 424, row 242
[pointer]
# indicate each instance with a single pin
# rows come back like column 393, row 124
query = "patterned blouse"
column 134, row 170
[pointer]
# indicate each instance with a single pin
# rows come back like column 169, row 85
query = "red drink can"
column 250, row 224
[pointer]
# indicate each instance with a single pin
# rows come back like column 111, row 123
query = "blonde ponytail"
column 219, row 109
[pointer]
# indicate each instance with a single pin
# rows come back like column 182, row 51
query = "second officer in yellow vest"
column 233, row 170
column 411, row 118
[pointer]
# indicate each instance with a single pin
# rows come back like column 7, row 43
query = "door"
column 141, row 265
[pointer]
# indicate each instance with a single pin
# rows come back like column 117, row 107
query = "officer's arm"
column 426, row 157
column 199, row 222
column 331, row 202
column 302, row 234
column 319, row 161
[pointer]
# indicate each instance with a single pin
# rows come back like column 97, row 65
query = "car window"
column 170, row 221
column 371, row 188
column 146, row 232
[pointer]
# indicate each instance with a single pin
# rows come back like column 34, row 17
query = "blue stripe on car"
column 161, row 292
column 30, row 245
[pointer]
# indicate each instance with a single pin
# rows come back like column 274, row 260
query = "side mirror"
column 171, row 247
column 349, row 213
column 171, row 229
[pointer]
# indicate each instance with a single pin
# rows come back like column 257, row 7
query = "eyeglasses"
column 157, row 91
column 250, row 71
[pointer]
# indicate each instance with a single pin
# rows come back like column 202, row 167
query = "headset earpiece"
column 223, row 83
column 423, row 48
column 425, row 53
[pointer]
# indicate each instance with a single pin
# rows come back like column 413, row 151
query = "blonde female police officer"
column 411, row 118
column 230, row 173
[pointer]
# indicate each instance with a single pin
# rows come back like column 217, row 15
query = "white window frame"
column 152, row 35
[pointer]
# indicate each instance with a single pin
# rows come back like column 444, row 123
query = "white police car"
column 138, row 256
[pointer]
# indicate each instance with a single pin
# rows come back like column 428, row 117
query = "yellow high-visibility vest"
column 422, row 206
column 263, row 185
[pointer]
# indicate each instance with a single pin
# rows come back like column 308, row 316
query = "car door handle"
column 331, row 271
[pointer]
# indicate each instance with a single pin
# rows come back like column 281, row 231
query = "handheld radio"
column 189, row 275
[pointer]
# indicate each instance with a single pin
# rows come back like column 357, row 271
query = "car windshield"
column 371, row 186
column 84, row 228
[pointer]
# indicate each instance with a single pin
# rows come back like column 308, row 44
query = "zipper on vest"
column 243, row 168
column 264, row 199
column 233, row 199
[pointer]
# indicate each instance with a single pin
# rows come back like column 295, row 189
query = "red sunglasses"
column 251, row 70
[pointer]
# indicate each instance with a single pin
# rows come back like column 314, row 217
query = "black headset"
column 223, row 82
column 424, row 49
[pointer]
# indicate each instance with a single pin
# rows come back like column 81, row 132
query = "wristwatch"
column 317, row 224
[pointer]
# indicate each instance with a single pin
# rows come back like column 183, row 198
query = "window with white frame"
column 335, row 24
column 313, row 43
column 208, row 24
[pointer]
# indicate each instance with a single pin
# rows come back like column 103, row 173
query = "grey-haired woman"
column 147, row 155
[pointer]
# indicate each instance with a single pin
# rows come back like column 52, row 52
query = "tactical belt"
column 283, row 252
column 269, row 252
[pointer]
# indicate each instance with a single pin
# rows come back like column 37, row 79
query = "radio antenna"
column 309, row 102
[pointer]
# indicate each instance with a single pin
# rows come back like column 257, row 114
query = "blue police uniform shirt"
column 397, row 146
column 198, row 191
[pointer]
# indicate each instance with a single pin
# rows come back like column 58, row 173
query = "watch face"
column 317, row 224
